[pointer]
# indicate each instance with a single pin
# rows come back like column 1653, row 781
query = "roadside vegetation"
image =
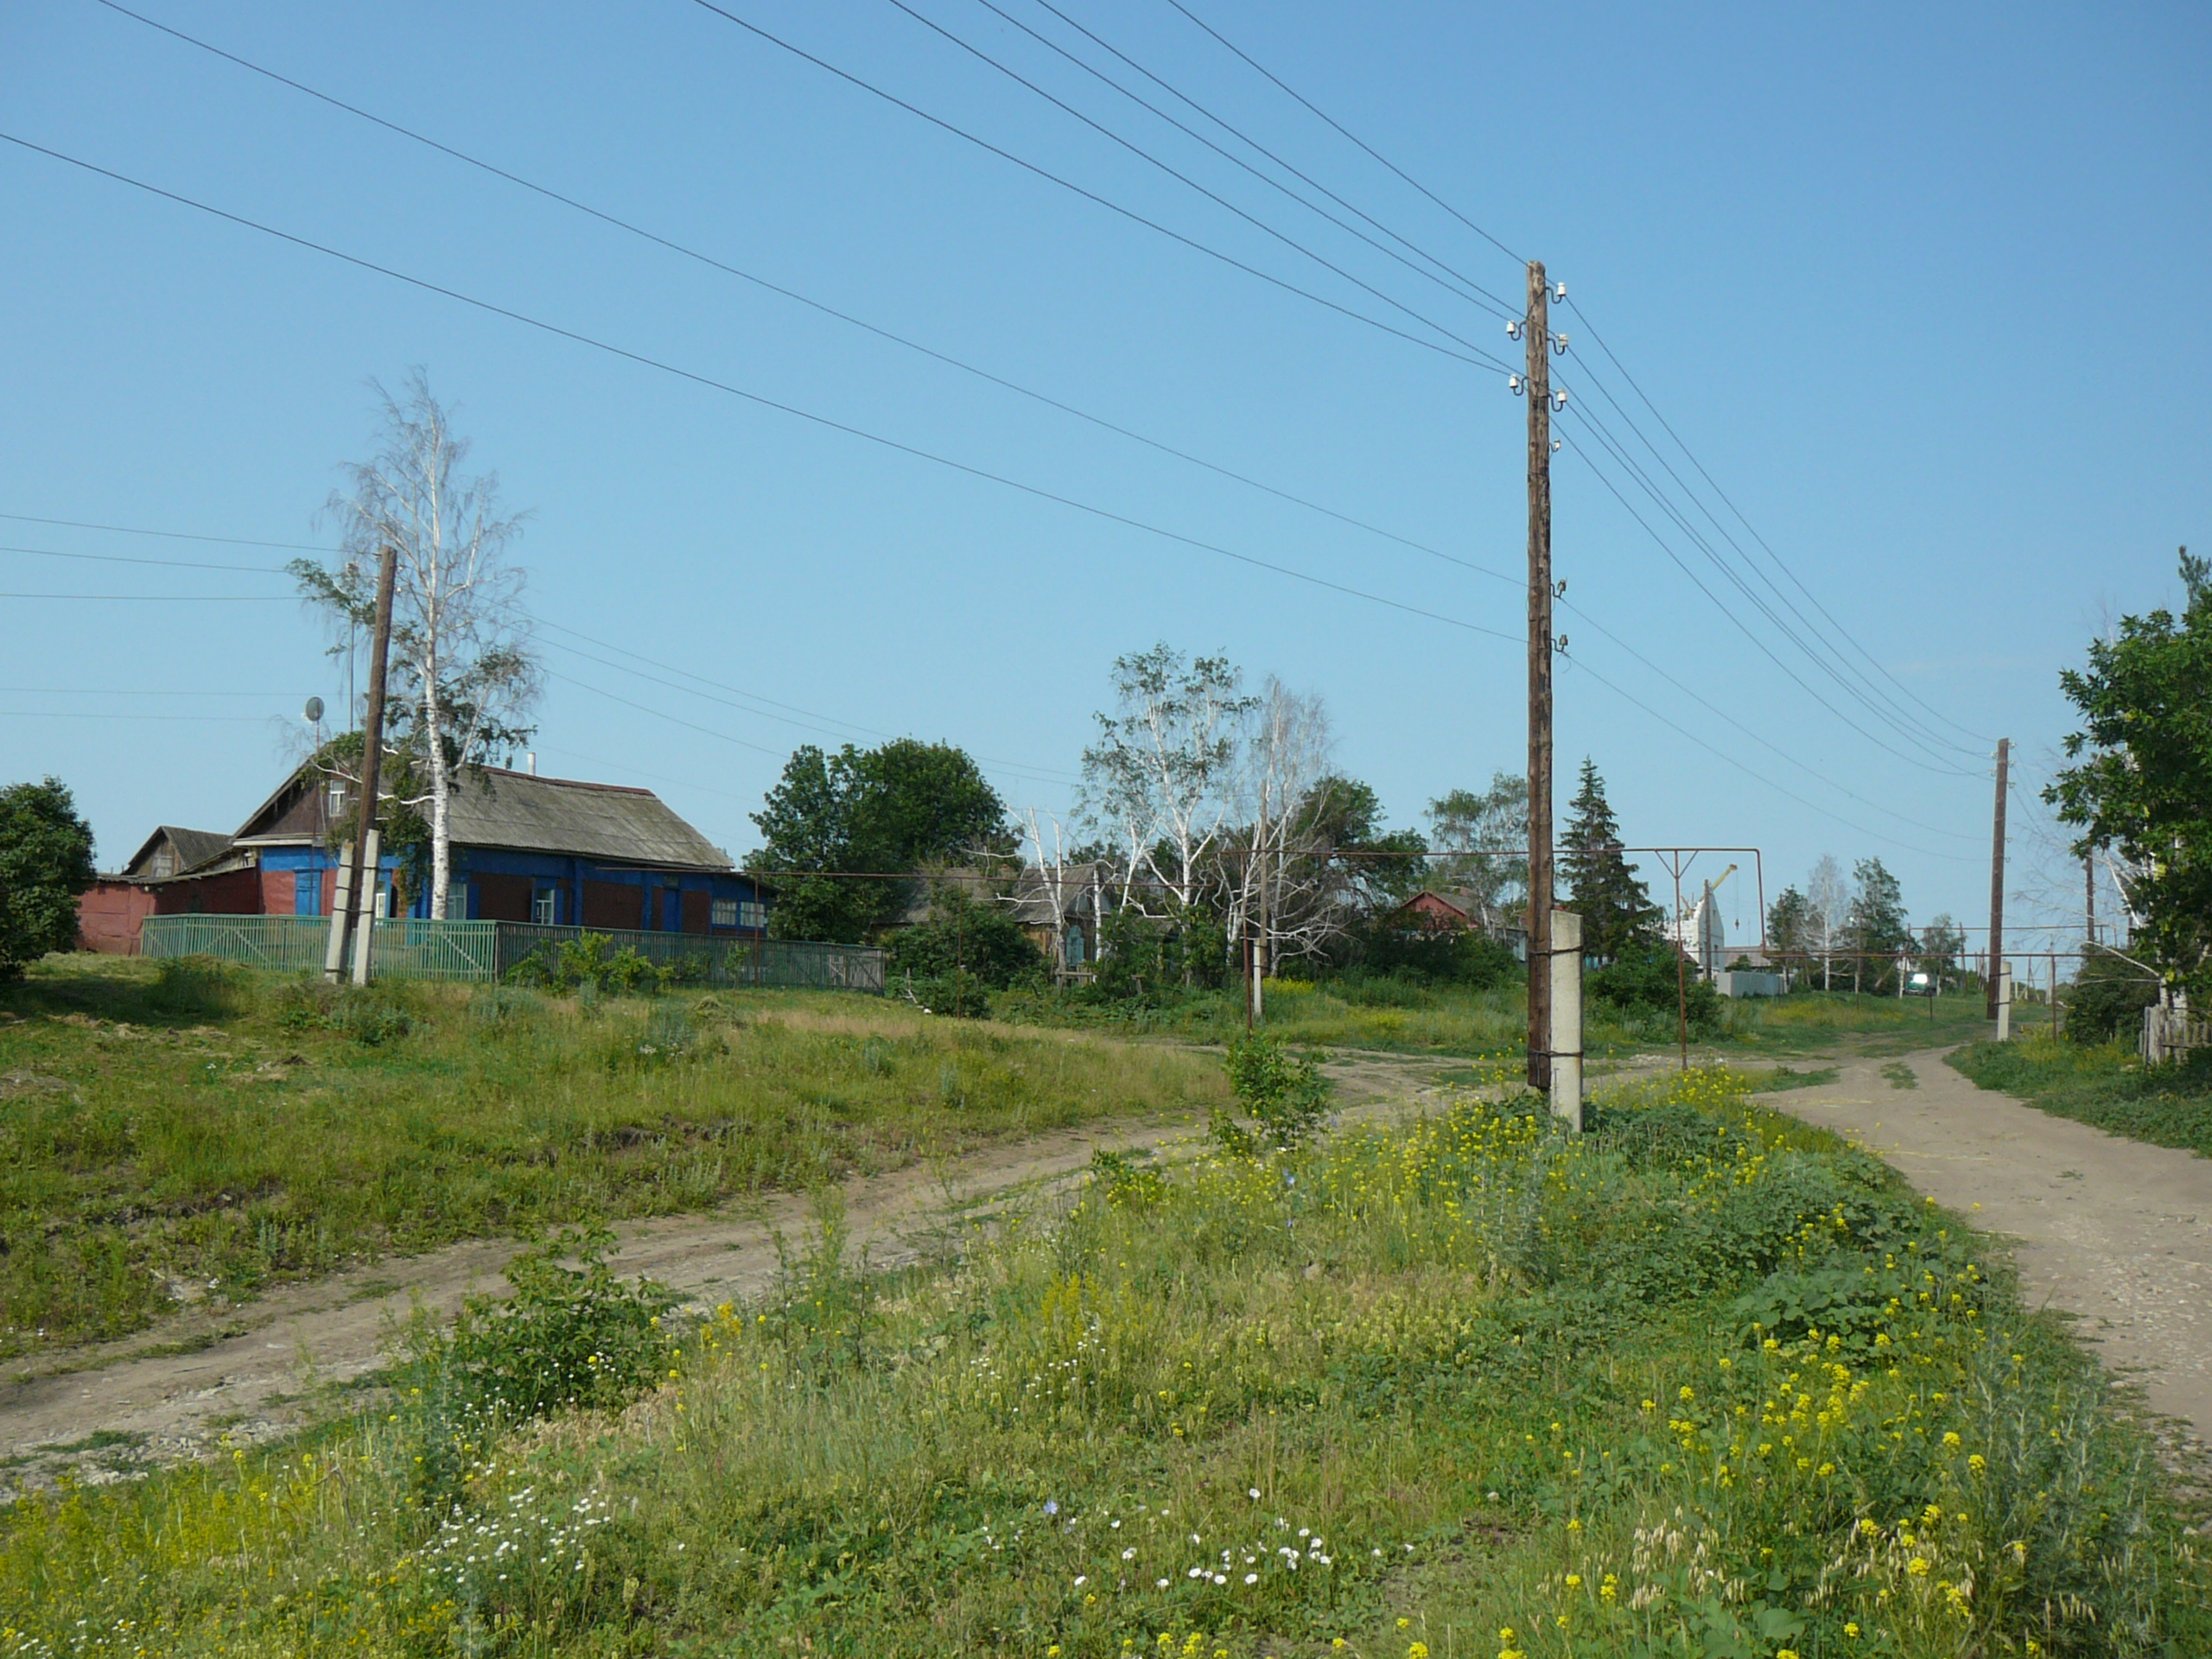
column 1407, row 1013
column 2103, row 1084
column 1702, row 1381
column 185, row 1132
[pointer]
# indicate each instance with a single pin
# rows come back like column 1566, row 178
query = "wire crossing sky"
column 1046, row 307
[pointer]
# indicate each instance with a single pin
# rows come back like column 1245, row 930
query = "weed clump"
column 1284, row 1094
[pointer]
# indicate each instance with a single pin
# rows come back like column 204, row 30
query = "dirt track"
column 2115, row 1231
column 285, row 1359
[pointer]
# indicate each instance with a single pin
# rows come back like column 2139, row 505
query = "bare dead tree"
column 464, row 674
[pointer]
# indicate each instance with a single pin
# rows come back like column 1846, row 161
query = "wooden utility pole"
column 360, row 907
column 1536, row 327
column 1997, row 875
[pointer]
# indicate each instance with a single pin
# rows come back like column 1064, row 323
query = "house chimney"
column 531, row 759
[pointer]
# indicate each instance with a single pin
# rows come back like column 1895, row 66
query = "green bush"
column 2107, row 999
column 956, row 994
column 372, row 1015
column 1654, row 977
column 567, row 1337
column 962, row 935
column 1384, row 949
column 1286, row 1093
column 199, row 988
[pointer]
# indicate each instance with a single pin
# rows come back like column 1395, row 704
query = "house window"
column 752, row 913
column 724, row 913
column 545, row 906
column 335, row 795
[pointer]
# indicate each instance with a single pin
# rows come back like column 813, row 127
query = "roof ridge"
column 567, row 783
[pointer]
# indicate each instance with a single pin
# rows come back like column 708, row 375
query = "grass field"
column 2107, row 1086
column 176, row 1131
column 1415, row 1019
column 1703, row 1383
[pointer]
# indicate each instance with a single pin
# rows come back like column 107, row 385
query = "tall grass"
column 1394, row 1014
column 1701, row 1383
column 2104, row 1084
column 187, row 1131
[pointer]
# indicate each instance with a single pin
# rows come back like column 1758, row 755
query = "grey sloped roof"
column 194, row 848
column 494, row 807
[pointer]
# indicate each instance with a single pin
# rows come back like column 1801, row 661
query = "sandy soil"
column 2113, row 1231
column 260, row 1371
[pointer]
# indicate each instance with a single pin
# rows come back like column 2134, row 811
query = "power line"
column 1041, row 774
column 1037, row 491
column 166, row 598
column 173, row 535
column 68, row 714
column 1795, row 580
column 1880, row 703
column 120, row 558
column 1925, row 852
column 1763, row 648
column 1222, row 201
column 1505, row 307
column 1371, row 151
column 1089, row 195
column 1345, row 131
column 763, row 282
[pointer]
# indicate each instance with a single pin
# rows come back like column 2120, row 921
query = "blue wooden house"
column 525, row 848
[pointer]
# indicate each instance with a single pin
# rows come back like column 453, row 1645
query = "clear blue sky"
column 1924, row 288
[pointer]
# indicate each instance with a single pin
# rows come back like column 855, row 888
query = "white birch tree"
column 462, row 671
column 1829, row 894
column 1283, row 897
column 1158, row 780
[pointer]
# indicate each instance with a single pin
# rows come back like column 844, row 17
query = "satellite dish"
column 313, row 711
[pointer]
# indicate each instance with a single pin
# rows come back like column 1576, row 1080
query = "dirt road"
column 263, row 1370
column 2113, row 1231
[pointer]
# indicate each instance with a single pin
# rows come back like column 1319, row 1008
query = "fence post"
column 2004, row 1001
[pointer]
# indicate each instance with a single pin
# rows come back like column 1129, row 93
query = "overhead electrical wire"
column 1583, row 317
column 171, row 535
column 1505, row 307
column 1665, row 547
column 124, row 558
column 1446, row 207
column 1039, row 492
column 1220, row 200
column 1238, row 52
column 1853, row 680
column 1131, row 214
column 165, row 599
column 763, row 282
column 912, row 344
column 1932, row 747
column 1041, row 773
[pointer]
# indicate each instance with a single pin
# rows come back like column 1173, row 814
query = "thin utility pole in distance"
column 1537, row 329
column 1997, row 875
column 361, row 905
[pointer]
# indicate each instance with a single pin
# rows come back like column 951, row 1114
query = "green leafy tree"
column 2140, row 787
column 46, row 866
column 1618, row 914
column 964, row 934
column 1487, row 832
column 1875, row 929
column 1793, row 931
column 1942, row 943
column 885, row 810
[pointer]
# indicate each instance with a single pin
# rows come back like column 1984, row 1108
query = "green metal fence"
column 407, row 948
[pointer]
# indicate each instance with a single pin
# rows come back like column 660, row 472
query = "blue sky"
column 1923, row 288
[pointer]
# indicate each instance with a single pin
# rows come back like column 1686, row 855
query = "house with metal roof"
column 525, row 848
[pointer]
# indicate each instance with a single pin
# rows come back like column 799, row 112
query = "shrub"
column 46, row 865
column 2107, row 999
column 1285, row 1092
column 1646, row 978
column 371, row 1015
column 198, row 988
column 567, row 1337
column 958, row 994
column 963, row 936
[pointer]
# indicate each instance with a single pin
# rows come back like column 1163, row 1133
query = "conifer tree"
column 1618, row 914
